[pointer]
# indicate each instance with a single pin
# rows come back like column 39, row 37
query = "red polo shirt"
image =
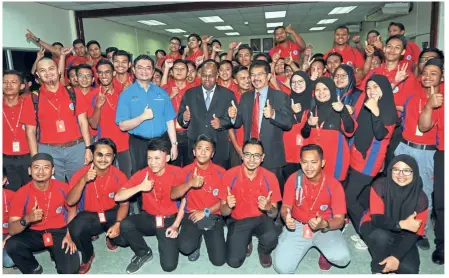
column 52, row 202
column 169, row 56
column 98, row 195
column 327, row 198
column 53, row 107
column 438, row 116
column 280, row 80
column 232, row 86
column 157, row 201
column 291, row 47
column 412, row 52
column 247, row 191
column 122, row 86
column 176, row 101
column 75, row 60
column 195, row 55
column 13, row 130
column 210, row 193
column 351, row 56
column 293, row 140
column 7, row 197
column 107, row 128
column 87, row 98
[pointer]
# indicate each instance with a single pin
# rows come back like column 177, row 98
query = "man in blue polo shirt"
column 146, row 112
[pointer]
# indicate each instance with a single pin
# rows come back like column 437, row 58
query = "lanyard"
column 5, row 201
column 318, row 127
column 57, row 109
column 14, row 130
column 96, row 191
column 107, row 98
column 316, row 198
column 48, row 207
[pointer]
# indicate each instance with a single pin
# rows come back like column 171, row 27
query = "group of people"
column 289, row 146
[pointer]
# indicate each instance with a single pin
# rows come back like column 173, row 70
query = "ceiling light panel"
column 211, row 19
column 342, row 10
column 279, row 14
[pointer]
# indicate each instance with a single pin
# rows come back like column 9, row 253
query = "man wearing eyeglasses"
column 174, row 46
column 251, row 202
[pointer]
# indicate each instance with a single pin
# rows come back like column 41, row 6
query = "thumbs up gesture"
column 296, row 107
column 174, row 92
column 232, row 110
column 338, row 106
column 315, row 222
column 147, row 113
column 411, row 223
column 264, row 203
column 215, row 123
column 369, row 49
column 289, row 221
column 230, row 199
column 91, row 174
column 435, row 100
column 378, row 43
column 313, row 121
column 35, row 214
column 146, row 184
column 197, row 181
column 186, row 115
column 268, row 111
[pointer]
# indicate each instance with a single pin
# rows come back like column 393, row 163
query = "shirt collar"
column 213, row 89
column 264, row 91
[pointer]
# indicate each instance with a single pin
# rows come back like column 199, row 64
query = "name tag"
column 16, row 146
column 159, row 221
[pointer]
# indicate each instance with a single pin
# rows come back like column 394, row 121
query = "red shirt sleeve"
column 423, row 217
column 76, row 177
column 289, row 191
column 28, row 116
column 376, row 204
column 81, row 104
column 338, row 199
column 136, row 179
column 416, row 51
column 359, row 60
column 18, row 203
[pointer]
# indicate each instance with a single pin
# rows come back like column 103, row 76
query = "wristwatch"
column 207, row 212
column 23, row 222
column 88, row 147
column 175, row 143
column 326, row 229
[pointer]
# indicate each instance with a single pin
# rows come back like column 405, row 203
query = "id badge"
column 159, row 221
column 102, row 217
column 306, row 231
column 16, row 146
column 60, row 126
column 418, row 132
column 299, row 140
column 48, row 239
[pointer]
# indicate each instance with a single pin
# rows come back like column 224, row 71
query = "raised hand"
column 306, row 65
column 230, row 199
column 288, row 60
column 356, row 38
column 232, row 110
column 289, row 221
column 411, row 223
column 35, row 214
column 338, row 106
column 401, row 74
column 296, row 107
column 146, row 184
column 29, row 35
column 215, row 123
column 40, row 53
column 276, row 57
column 186, row 115
column 264, row 203
column 91, row 174
column 268, row 111
column 197, row 181
column 313, row 121
column 435, row 100
column 315, row 222
column 206, row 39
column 169, row 63
column 101, row 100
column 369, row 49
column 199, row 60
column 147, row 113
column 66, row 51
column 308, row 51
column 378, row 43
column 289, row 29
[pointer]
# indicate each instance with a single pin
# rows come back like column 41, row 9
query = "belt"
column 16, row 156
column 66, row 145
column 166, row 216
column 420, row 146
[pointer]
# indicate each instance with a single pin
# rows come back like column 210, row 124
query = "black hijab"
column 351, row 85
column 304, row 98
column 364, row 134
column 401, row 201
column 325, row 111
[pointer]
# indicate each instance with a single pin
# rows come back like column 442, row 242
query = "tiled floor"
column 107, row 262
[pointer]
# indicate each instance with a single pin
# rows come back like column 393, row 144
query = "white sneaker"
column 355, row 237
column 360, row 245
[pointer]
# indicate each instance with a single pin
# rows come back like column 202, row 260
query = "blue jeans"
column 7, row 261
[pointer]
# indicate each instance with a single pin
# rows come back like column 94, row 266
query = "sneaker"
column 85, row 267
column 249, row 250
column 438, row 256
column 196, row 254
column 38, row 270
column 111, row 246
column 355, row 237
column 323, row 263
column 265, row 260
column 137, row 262
column 360, row 245
column 423, row 243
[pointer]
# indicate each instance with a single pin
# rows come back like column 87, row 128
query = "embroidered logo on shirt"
column 215, row 192
column 295, row 52
column 135, row 98
column 58, row 210
column 5, row 225
column 71, row 106
column 111, row 195
column 395, row 90
column 409, row 57
column 349, row 63
column 323, row 207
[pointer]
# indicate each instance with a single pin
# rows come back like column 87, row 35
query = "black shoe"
column 137, row 262
column 438, row 256
column 38, row 270
column 423, row 243
column 196, row 254
column 249, row 250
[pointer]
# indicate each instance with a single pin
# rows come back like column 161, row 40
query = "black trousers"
column 357, row 186
column 135, row 227
column 21, row 247
column 124, row 162
column 240, row 233
column 189, row 240
column 438, row 200
column 396, row 138
column 381, row 242
column 138, row 147
column 17, row 170
column 87, row 224
column 183, row 149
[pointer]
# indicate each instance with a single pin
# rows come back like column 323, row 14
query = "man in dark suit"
column 204, row 110
column 267, row 120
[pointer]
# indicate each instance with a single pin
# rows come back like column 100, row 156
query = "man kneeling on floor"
column 38, row 221
column 160, row 215
column 93, row 188
column 313, row 209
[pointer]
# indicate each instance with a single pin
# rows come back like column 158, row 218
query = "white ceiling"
column 302, row 16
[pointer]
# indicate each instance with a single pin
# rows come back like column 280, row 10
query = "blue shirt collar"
column 263, row 92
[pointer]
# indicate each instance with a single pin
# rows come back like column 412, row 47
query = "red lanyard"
column 48, row 206
column 316, row 198
column 5, row 203
column 57, row 109
column 14, row 130
column 107, row 98
column 253, row 192
column 318, row 127
column 96, row 192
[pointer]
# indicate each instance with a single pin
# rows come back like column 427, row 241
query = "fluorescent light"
column 342, row 10
column 327, row 21
column 151, row 22
column 175, row 30
column 316, row 28
column 270, row 31
column 274, row 24
column 279, row 14
column 233, row 34
column 186, row 35
column 227, row 27
column 210, row 19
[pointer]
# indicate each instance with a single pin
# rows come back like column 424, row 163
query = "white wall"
column 49, row 23
column 134, row 40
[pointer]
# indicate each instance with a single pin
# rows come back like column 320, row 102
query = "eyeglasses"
column 144, row 69
column 299, row 82
column 260, row 74
column 108, row 72
column 255, row 156
column 84, row 76
column 405, row 172
column 340, row 76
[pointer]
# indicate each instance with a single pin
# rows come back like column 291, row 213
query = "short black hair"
column 435, row 62
column 312, row 147
column 188, row 62
column 244, row 46
column 398, row 37
column 14, row 72
column 378, row 53
column 104, row 141
column 104, row 62
column 143, row 57
column 277, row 28
column 317, row 56
column 180, row 61
column 77, row 41
column 342, row 27
column 335, row 54
column 223, row 54
column 398, row 24
column 225, row 62
column 83, row 66
column 319, row 61
column 432, row 49
column 27, row 77
column 57, row 43
column 217, row 41
column 70, row 68
column 111, row 49
column 159, row 144
column 260, row 63
column 204, row 137
column 266, row 55
column 159, row 71
column 93, row 42
column 196, row 36
column 237, row 69
column 176, row 38
column 121, row 53
column 253, row 141
column 160, row 50
column 373, row 31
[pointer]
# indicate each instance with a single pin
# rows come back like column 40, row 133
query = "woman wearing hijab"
column 396, row 217
column 376, row 123
column 344, row 79
column 300, row 98
column 329, row 125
